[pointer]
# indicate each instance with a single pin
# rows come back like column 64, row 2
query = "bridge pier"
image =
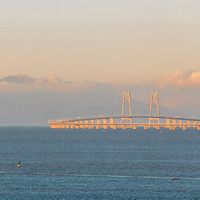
column 86, row 123
column 90, row 127
column 134, row 127
column 184, row 128
column 83, row 126
column 71, row 125
column 180, row 122
column 97, row 124
column 167, row 121
column 174, row 124
column 67, row 126
column 111, row 123
column 188, row 122
column 91, row 124
column 77, row 126
column 105, row 126
column 174, row 121
column 158, row 127
column 194, row 124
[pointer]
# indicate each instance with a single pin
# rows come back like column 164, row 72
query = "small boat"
column 19, row 165
column 175, row 179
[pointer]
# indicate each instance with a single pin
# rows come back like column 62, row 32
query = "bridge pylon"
column 126, row 97
column 154, row 100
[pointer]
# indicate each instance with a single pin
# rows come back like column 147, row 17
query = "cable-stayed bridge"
column 129, row 121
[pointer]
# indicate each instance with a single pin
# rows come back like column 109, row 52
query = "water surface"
column 98, row 164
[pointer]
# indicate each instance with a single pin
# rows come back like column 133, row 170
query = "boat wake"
column 102, row 176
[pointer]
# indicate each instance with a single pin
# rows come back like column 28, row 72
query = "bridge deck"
column 108, row 122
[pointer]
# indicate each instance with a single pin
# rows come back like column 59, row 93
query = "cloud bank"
column 181, row 79
column 23, row 83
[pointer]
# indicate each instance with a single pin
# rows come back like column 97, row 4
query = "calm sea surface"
column 98, row 164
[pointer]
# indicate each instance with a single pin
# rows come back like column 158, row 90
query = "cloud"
column 54, row 80
column 181, row 79
column 23, row 83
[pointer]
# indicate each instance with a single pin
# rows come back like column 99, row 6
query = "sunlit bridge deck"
column 129, row 121
column 114, row 122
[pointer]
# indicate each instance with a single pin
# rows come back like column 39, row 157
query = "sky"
column 64, row 58
column 108, row 41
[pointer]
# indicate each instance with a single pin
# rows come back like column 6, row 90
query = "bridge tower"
column 154, row 100
column 126, row 97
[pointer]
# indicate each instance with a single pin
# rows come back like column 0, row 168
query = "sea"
column 99, row 164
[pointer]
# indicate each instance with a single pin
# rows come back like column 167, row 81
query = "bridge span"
column 123, row 122
column 128, row 121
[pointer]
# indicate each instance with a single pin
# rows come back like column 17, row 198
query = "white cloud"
column 181, row 79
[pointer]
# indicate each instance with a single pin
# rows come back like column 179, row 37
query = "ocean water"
column 98, row 164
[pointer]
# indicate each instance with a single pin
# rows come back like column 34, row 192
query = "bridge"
column 128, row 121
